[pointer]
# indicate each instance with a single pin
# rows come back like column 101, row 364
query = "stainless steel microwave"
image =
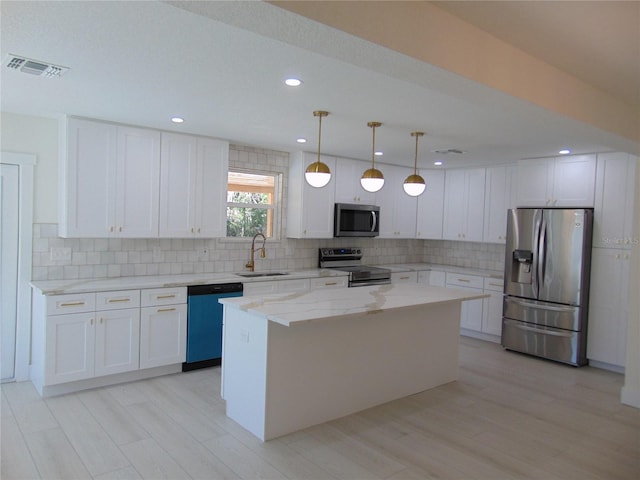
column 353, row 220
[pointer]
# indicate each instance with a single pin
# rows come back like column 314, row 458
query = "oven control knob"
column 358, row 251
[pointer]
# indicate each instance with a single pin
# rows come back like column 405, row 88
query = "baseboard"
column 630, row 396
column 64, row 388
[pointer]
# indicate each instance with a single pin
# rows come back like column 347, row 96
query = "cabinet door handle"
column 160, row 297
column 101, row 320
column 161, row 310
column 72, row 304
column 118, row 300
column 120, row 229
column 91, row 322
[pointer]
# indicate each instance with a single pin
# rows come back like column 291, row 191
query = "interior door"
column 9, row 201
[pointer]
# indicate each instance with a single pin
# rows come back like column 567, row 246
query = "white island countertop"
column 301, row 307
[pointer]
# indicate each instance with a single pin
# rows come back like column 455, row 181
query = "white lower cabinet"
column 92, row 343
column 84, row 336
column 480, row 318
column 492, row 306
column 163, row 327
column 117, row 342
column 163, row 335
column 293, row 285
column 471, row 315
column 69, row 347
column 332, row 282
column 404, row 277
column 434, row 278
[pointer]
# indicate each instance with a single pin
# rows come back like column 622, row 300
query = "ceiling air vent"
column 34, row 67
column 447, row 151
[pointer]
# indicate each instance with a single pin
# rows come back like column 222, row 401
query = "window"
column 251, row 204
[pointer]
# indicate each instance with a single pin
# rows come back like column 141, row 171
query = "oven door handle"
column 369, row 283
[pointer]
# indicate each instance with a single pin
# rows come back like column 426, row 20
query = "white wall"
column 38, row 136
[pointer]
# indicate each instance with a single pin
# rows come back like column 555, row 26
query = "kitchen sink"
column 261, row 274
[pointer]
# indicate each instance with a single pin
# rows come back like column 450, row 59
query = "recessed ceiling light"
column 293, row 82
column 566, row 151
column 379, row 153
column 437, row 162
column 301, row 140
column 177, row 119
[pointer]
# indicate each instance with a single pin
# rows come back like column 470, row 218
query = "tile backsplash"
column 116, row 257
column 102, row 258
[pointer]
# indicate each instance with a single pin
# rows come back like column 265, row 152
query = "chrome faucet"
column 250, row 264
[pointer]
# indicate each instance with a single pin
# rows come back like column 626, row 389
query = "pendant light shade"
column 318, row 174
column 372, row 179
column 414, row 184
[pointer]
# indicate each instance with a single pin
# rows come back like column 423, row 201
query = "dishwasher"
column 204, row 323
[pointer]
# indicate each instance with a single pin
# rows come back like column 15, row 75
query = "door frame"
column 26, row 163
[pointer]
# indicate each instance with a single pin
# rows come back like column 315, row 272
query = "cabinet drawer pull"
column 330, row 283
column 118, row 300
column 72, row 304
column 463, row 280
column 160, row 297
column 496, row 285
column 404, row 278
column 161, row 310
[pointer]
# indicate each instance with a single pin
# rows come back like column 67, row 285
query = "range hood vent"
column 34, row 67
column 447, row 151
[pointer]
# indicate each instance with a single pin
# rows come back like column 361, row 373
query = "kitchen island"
column 296, row 360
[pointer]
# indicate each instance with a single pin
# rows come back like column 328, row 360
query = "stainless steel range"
column 350, row 260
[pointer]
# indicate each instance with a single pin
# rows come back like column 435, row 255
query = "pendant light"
column 414, row 184
column 372, row 179
column 318, row 174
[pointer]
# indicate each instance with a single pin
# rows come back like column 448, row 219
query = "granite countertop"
column 59, row 287
column 296, row 308
column 417, row 267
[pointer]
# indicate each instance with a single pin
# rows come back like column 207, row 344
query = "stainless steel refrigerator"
column 546, row 283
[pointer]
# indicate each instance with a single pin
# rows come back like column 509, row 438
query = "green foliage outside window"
column 247, row 214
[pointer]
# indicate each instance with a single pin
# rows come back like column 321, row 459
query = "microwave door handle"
column 374, row 222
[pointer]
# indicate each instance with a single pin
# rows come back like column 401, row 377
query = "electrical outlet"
column 203, row 253
column 244, row 335
column 60, row 254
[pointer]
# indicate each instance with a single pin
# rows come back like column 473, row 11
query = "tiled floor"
column 508, row 417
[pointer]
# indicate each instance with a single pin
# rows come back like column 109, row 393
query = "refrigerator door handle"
column 551, row 308
column 542, row 331
column 537, row 221
column 542, row 253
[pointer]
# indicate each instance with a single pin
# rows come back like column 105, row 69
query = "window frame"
column 275, row 209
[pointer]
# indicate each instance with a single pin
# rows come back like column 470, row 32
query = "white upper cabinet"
column 431, row 206
column 193, row 186
column 613, row 213
column 497, row 200
column 557, row 182
column 464, row 204
column 397, row 209
column 109, row 180
column 348, row 188
column 310, row 209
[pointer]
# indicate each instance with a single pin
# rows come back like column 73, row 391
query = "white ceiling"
column 142, row 62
